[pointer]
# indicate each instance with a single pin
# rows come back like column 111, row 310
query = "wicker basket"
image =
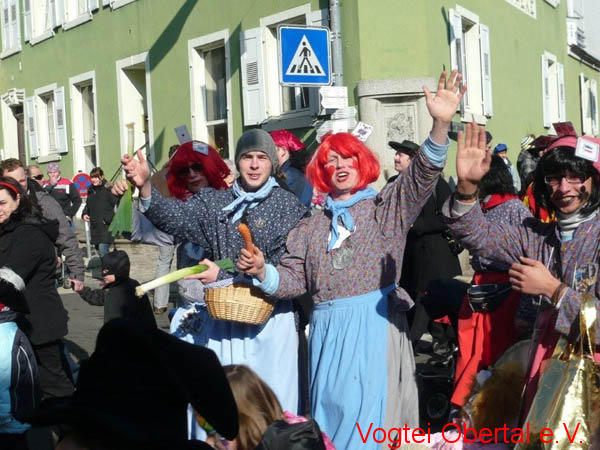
column 238, row 303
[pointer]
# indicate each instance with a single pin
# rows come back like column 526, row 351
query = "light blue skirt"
column 271, row 349
column 356, row 347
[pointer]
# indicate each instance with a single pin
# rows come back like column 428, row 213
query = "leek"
column 140, row 291
column 122, row 220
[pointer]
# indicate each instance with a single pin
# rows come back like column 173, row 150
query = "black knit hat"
column 136, row 387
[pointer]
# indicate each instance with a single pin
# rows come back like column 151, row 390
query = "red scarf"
column 497, row 199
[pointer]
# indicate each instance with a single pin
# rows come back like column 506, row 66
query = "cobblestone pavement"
column 86, row 320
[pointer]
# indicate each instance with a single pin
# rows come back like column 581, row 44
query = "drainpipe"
column 336, row 42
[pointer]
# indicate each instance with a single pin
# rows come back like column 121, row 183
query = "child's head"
column 115, row 267
column 258, row 406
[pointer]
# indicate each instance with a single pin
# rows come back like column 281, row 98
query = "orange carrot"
column 246, row 236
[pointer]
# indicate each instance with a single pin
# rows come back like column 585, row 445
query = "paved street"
column 85, row 320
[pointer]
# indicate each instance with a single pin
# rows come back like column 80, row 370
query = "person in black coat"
column 118, row 294
column 28, row 264
column 427, row 255
column 99, row 211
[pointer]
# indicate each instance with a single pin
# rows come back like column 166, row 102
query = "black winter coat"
column 427, row 255
column 27, row 248
column 100, row 206
column 119, row 300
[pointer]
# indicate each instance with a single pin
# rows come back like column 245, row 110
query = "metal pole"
column 87, row 240
column 336, row 42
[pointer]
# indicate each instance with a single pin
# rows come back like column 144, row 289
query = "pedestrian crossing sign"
column 304, row 56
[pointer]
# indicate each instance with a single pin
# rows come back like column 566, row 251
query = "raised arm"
column 401, row 201
column 501, row 242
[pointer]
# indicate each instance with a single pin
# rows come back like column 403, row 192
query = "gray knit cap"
column 257, row 140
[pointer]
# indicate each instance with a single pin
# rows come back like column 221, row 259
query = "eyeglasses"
column 554, row 180
column 39, row 177
column 185, row 171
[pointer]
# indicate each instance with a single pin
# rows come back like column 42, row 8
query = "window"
column 209, row 75
column 11, row 28
column 41, row 17
column 575, row 23
column 589, row 104
column 135, row 104
column 553, row 90
column 83, row 122
column 78, row 12
column 470, row 55
column 13, row 124
column 45, row 122
column 264, row 99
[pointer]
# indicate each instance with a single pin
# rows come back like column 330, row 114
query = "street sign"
column 334, row 97
column 304, row 56
column 82, row 183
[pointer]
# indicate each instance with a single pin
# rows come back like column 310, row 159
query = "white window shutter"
column 251, row 64
column 59, row 12
column 457, row 59
column 31, row 127
column 5, row 25
column 594, row 105
column 60, row 120
column 562, row 110
column 15, row 23
column 93, row 5
column 27, row 19
column 319, row 18
column 486, row 70
column 546, row 92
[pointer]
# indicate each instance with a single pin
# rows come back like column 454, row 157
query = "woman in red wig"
column 349, row 258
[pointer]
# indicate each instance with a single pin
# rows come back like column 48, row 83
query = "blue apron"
column 348, row 366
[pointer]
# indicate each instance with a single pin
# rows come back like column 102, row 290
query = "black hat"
column 136, row 387
column 406, row 146
column 281, row 435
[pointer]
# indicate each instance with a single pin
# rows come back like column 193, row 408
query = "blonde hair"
column 257, row 404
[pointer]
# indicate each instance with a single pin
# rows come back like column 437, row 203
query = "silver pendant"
column 344, row 256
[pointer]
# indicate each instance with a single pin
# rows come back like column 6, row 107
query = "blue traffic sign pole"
column 304, row 56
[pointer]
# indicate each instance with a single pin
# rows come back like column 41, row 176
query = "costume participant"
column 556, row 261
column 360, row 355
column 210, row 219
column 486, row 322
column 287, row 144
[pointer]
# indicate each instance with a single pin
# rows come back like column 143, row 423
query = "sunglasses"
column 38, row 177
column 185, row 171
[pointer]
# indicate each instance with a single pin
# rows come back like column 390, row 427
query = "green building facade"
column 83, row 81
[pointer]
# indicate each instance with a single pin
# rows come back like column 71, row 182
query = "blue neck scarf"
column 248, row 199
column 340, row 210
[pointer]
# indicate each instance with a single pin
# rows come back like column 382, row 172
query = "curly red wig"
column 285, row 139
column 214, row 168
column 347, row 146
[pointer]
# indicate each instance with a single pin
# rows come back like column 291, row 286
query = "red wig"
column 213, row 167
column 348, row 146
column 285, row 139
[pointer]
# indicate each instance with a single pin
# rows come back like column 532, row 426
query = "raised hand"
column 137, row 172
column 444, row 104
column 472, row 158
